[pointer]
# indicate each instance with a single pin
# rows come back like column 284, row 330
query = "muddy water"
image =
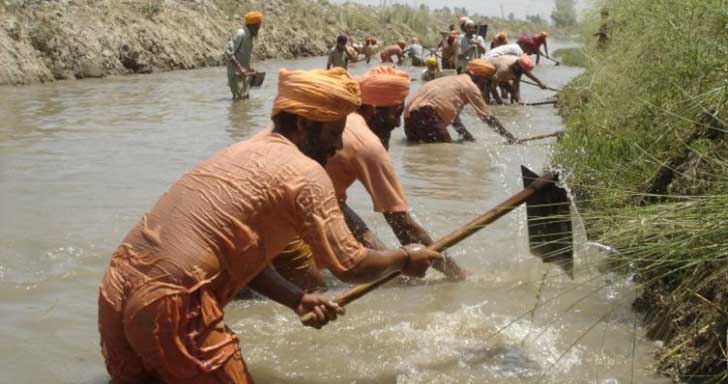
column 81, row 161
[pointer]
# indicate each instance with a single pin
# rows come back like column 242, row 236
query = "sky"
column 520, row 8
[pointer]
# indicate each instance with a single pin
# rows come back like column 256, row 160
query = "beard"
column 314, row 149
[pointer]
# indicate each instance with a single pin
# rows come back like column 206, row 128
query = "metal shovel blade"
column 550, row 235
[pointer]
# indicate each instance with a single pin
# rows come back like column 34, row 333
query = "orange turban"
column 480, row 67
column 317, row 95
column 502, row 36
column 402, row 44
column 253, row 18
column 384, row 86
column 526, row 63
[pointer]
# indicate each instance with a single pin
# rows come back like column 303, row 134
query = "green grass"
column 573, row 57
column 631, row 112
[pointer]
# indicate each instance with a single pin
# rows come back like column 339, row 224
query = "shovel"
column 549, row 229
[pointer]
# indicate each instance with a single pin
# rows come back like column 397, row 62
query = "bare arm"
column 409, row 231
column 273, row 286
column 359, row 228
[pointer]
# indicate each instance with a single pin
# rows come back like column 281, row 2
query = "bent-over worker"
column 509, row 70
column 501, row 38
column 438, row 103
column 432, row 71
column 393, row 50
column 217, row 229
column 364, row 157
column 532, row 46
column 238, row 53
column 416, row 52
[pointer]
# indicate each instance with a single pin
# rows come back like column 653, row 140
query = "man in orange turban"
column 238, row 52
column 509, row 69
column 532, row 46
column 438, row 103
column 364, row 157
column 218, row 228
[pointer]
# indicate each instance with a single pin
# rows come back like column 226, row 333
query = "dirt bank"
column 46, row 40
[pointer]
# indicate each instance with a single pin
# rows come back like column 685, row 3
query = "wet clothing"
column 503, row 65
column 392, row 50
column 363, row 158
column 209, row 235
column 416, row 53
column 446, row 97
column 241, row 48
column 510, row 49
column 338, row 58
column 426, row 126
column 468, row 50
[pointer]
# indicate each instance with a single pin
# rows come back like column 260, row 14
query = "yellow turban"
column 253, row 18
column 384, row 86
column 479, row 67
column 317, row 95
column 431, row 61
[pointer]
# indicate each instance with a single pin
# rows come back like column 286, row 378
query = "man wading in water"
column 364, row 157
column 509, row 70
column 217, row 229
column 338, row 55
column 238, row 52
column 438, row 103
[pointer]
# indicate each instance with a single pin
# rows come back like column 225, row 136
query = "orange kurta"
column 447, row 96
column 161, row 299
column 364, row 158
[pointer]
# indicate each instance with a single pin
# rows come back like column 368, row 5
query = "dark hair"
column 342, row 39
column 284, row 121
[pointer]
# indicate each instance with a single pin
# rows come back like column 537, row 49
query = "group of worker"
column 270, row 213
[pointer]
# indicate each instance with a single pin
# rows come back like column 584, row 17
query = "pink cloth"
column 526, row 63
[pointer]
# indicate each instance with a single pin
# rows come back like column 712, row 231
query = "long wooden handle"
column 539, row 137
column 453, row 238
column 532, row 83
column 545, row 102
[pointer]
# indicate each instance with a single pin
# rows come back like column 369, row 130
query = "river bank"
column 43, row 41
column 645, row 153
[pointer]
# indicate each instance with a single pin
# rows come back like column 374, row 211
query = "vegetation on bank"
column 647, row 157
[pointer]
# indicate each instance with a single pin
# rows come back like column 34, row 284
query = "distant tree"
column 536, row 19
column 511, row 16
column 564, row 13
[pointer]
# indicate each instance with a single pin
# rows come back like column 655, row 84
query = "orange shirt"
column 447, row 96
column 364, row 158
column 223, row 221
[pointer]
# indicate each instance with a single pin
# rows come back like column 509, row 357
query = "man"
column 449, row 47
column 370, row 48
column 217, row 229
column 416, row 52
column 364, row 158
column 393, row 50
column 432, row 71
column 509, row 70
column 339, row 55
column 500, row 39
column 532, row 46
column 238, row 52
column 438, row 103
column 470, row 46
